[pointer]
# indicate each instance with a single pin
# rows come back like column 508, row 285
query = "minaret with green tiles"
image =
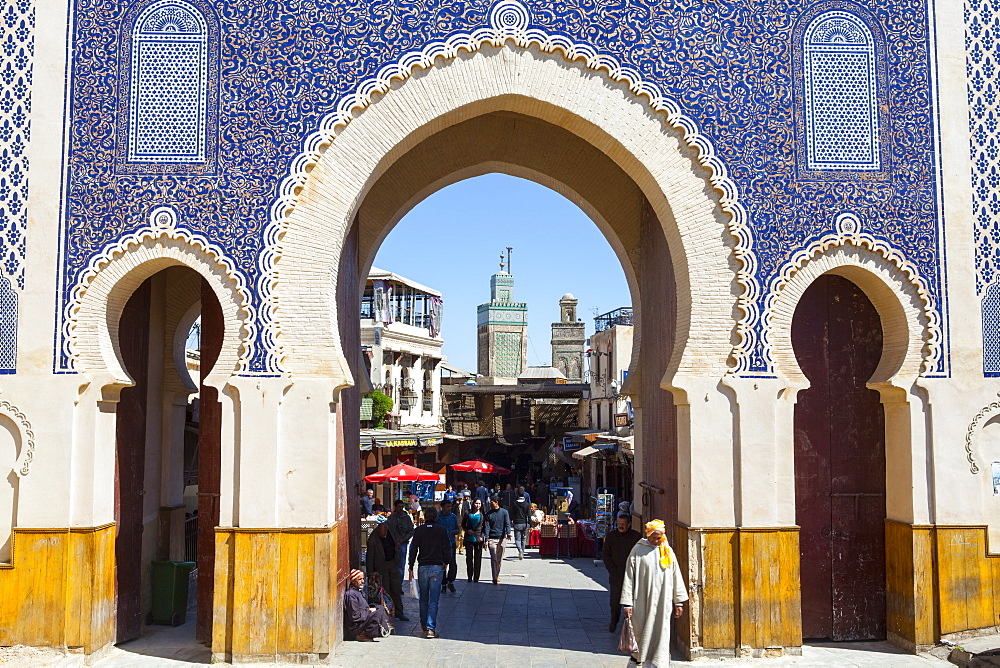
column 503, row 330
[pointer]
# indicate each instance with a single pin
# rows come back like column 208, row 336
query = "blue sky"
column 452, row 242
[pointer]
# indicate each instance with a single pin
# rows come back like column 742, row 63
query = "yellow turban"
column 658, row 525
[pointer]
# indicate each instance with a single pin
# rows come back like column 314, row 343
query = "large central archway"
column 582, row 133
column 586, row 112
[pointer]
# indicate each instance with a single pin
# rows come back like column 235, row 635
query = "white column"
column 705, row 442
column 765, row 449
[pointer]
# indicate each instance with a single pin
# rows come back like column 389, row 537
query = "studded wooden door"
column 130, row 463
column 840, row 463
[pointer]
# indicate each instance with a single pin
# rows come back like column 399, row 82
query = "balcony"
column 621, row 316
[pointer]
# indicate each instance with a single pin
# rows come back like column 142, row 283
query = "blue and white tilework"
column 17, row 43
column 991, row 331
column 8, row 327
column 840, row 83
column 982, row 41
column 169, row 84
column 733, row 66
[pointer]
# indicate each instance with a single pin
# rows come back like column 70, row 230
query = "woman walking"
column 475, row 539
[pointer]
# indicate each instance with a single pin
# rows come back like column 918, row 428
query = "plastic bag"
column 626, row 641
column 414, row 589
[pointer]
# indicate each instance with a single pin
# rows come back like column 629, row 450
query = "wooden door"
column 130, row 462
column 840, row 463
column 209, row 459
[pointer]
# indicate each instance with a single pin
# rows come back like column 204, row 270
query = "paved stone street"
column 545, row 612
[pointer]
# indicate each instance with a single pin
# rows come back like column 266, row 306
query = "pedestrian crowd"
column 645, row 582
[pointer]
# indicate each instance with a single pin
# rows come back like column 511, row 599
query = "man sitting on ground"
column 363, row 623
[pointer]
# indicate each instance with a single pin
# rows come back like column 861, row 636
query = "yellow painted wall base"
column 942, row 580
column 59, row 589
column 746, row 597
column 909, row 585
column 276, row 594
column 745, row 590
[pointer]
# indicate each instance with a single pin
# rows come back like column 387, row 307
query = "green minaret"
column 502, row 329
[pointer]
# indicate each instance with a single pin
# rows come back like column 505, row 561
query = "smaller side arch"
column 26, row 447
column 902, row 301
column 101, row 294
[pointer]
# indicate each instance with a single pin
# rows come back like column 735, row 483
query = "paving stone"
column 556, row 616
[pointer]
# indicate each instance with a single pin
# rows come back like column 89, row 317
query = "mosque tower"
column 502, row 328
column 567, row 340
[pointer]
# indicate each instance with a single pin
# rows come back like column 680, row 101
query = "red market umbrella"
column 479, row 466
column 401, row 473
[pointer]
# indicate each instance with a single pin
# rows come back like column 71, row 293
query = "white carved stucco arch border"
column 911, row 331
column 104, row 288
column 509, row 29
column 23, row 462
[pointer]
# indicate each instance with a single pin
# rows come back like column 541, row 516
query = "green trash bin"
column 170, row 591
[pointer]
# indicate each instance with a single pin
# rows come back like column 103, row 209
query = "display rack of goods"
column 567, row 531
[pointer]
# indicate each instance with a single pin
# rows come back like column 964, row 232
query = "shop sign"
column 569, row 445
column 431, row 441
column 621, row 419
column 399, row 443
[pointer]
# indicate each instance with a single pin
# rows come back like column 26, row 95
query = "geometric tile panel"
column 169, row 84
column 982, row 41
column 508, row 354
column 982, row 33
column 17, row 44
column 8, row 327
column 991, row 331
column 841, row 105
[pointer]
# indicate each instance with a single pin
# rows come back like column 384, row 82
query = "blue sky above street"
column 452, row 240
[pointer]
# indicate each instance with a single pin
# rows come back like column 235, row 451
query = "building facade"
column 401, row 343
column 610, row 357
column 568, row 337
column 803, row 198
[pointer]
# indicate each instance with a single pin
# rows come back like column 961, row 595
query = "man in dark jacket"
column 520, row 513
column 507, row 497
column 498, row 529
column 617, row 546
column 400, row 528
column 383, row 558
column 483, row 494
column 429, row 548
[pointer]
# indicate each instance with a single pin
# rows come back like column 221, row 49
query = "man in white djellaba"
column 653, row 590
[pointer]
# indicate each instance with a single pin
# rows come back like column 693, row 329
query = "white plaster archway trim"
column 911, row 333
column 509, row 30
column 972, row 433
column 104, row 288
column 179, row 347
column 23, row 462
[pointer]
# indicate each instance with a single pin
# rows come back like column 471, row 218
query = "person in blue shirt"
column 474, row 525
column 449, row 494
column 449, row 521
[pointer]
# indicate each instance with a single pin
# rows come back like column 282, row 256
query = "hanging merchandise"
column 437, row 310
column 382, row 307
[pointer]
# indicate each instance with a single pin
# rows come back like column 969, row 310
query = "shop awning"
column 585, row 435
column 400, row 438
column 593, row 449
